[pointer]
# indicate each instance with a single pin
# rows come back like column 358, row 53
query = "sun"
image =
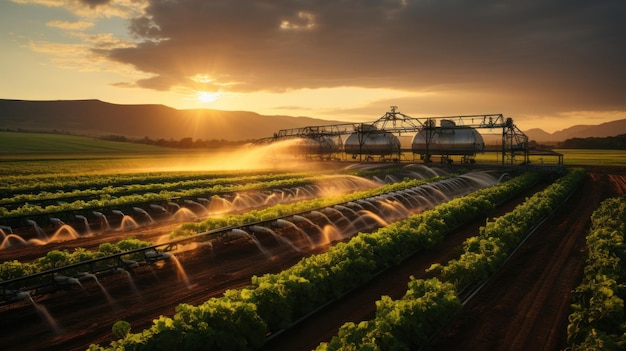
column 206, row 97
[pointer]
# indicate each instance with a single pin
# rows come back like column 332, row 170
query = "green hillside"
column 15, row 143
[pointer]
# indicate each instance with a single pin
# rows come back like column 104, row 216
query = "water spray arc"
column 180, row 209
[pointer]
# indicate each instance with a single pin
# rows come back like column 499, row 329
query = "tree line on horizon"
column 617, row 142
column 184, row 143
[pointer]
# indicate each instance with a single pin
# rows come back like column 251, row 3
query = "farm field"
column 594, row 157
column 79, row 315
column 14, row 143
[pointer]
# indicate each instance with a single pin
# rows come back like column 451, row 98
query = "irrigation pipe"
column 510, row 255
column 478, row 288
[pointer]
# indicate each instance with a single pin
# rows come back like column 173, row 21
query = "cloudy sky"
column 546, row 63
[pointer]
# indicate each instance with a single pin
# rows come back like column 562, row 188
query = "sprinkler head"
column 22, row 295
column 15, row 295
column 154, row 255
column 56, row 221
column 130, row 263
column 66, row 280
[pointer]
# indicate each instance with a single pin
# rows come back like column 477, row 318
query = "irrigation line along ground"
column 531, row 231
column 469, row 295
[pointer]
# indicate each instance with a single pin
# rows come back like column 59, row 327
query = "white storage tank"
column 369, row 141
column 448, row 139
column 308, row 146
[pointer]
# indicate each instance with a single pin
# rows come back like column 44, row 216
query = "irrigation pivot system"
column 396, row 137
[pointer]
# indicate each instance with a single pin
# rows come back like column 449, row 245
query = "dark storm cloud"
column 559, row 50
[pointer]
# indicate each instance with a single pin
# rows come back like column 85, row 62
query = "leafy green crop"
column 280, row 298
column 598, row 320
column 59, row 258
column 408, row 323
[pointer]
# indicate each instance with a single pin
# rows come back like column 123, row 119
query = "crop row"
column 46, row 182
column 110, row 190
column 281, row 210
column 597, row 321
column 60, row 258
column 108, row 200
column 428, row 305
column 243, row 317
column 16, row 269
column 10, row 185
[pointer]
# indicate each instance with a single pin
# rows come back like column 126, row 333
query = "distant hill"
column 98, row 118
column 607, row 129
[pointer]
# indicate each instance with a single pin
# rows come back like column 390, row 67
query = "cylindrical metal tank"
column 448, row 139
column 322, row 145
column 372, row 143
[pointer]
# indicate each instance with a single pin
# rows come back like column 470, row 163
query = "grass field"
column 39, row 153
column 571, row 157
column 593, row 157
column 12, row 143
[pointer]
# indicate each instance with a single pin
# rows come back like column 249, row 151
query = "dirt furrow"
column 526, row 305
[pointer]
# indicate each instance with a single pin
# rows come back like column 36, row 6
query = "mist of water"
column 181, row 272
column 104, row 290
column 45, row 315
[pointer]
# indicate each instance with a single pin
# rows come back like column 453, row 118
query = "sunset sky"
column 547, row 64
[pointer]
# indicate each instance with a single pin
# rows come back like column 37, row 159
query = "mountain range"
column 607, row 129
column 98, row 118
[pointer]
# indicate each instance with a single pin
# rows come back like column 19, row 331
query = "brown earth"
column 524, row 307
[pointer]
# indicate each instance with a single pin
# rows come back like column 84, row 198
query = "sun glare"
column 272, row 156
column 206, row 97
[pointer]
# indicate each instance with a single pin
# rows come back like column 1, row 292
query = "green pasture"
column 586, row 157
column 38, row 153
column 571, row 157
column 14, row 143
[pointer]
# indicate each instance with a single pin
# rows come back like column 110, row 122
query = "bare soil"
column 524, row 307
